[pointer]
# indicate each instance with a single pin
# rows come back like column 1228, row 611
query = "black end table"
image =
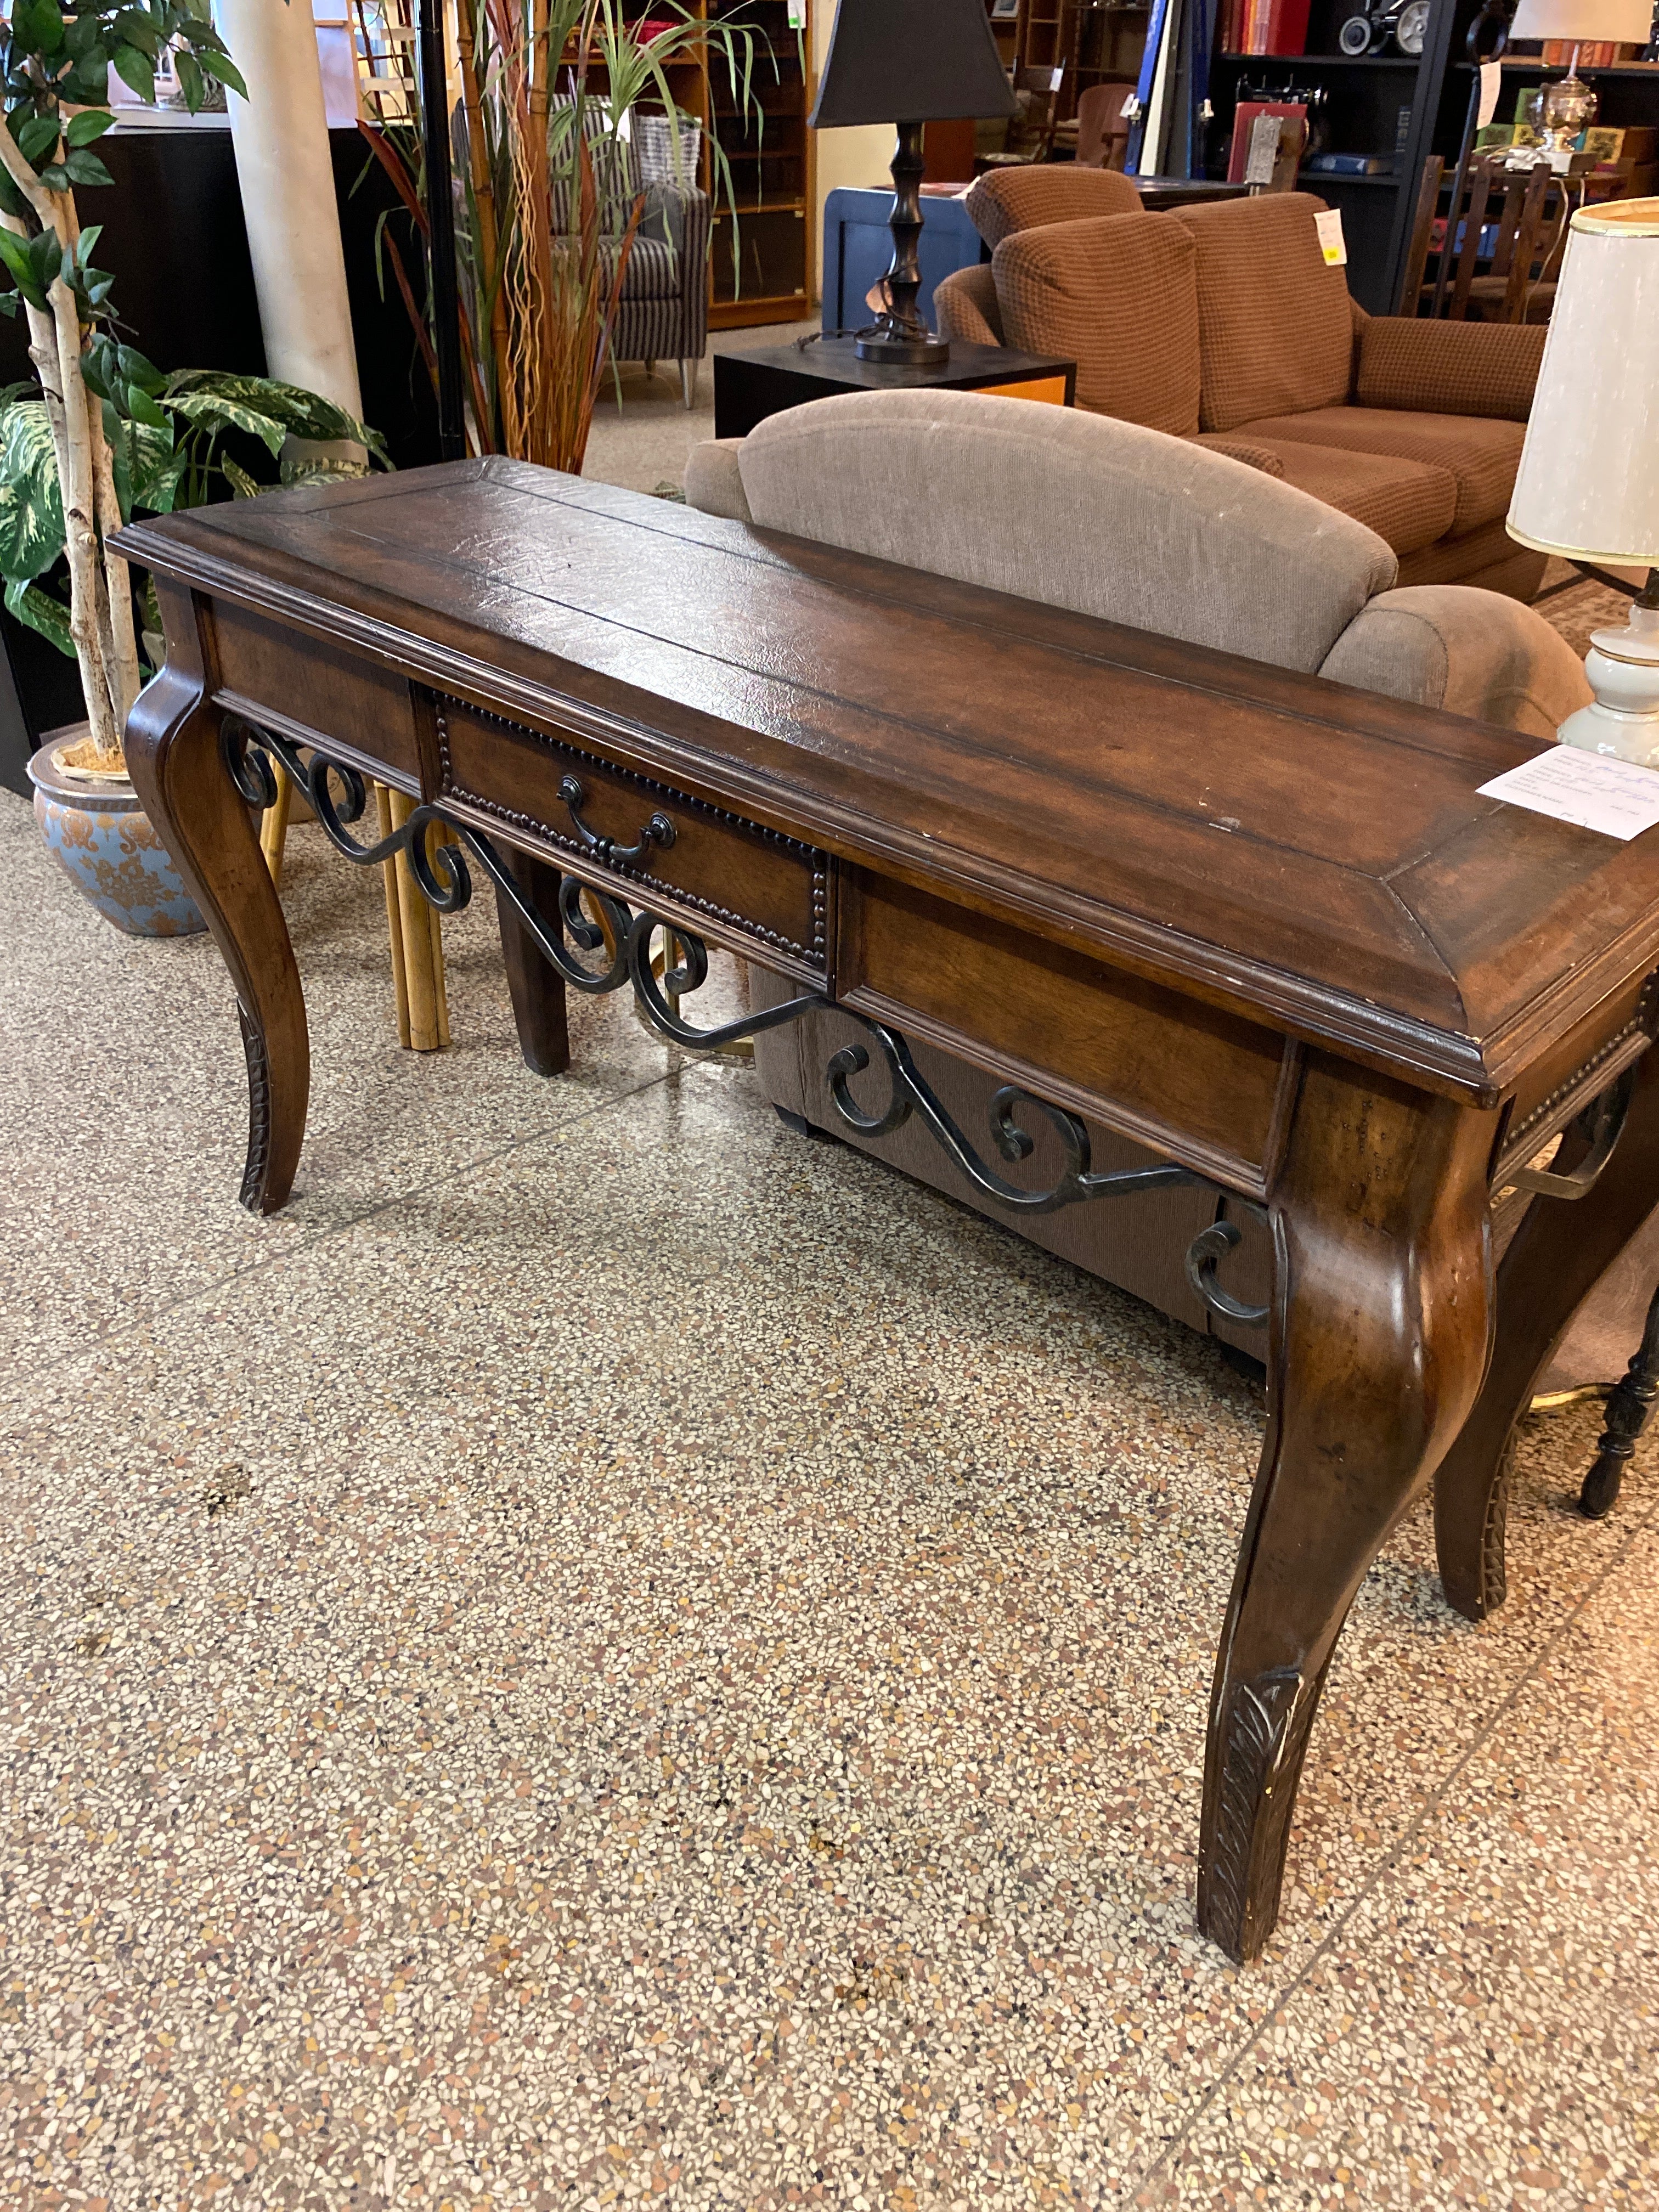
column 754, row 383
column 1158, row 194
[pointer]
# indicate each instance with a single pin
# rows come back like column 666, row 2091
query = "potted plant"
column 102, row 432
column 545, row 222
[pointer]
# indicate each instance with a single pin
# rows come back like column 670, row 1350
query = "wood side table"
column 751, row 385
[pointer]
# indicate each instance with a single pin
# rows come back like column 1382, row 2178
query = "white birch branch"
column 56, row 351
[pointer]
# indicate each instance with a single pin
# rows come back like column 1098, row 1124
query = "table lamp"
column 912, row 61
column 1588, row 487
column 1570, row 104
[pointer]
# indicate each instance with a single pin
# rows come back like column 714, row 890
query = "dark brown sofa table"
column 1259, row 922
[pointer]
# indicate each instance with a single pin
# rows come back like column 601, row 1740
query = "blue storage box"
column 858, row 246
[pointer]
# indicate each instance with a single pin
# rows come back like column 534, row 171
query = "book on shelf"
column 1351, row 165
column 1637, row 143
column 1245, row 116
column 1594, row 53
column 1274, row 26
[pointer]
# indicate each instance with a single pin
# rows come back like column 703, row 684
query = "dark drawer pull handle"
column 659, row 830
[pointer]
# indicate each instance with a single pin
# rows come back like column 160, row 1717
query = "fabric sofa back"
column 1201, row 320
column 1118, row 295
column 1071, row 510
column 1275, row 323
column 1005, row 201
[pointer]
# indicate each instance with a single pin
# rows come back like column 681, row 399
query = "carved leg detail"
column 1556, row 1258
column 1627, row 1413
column 174, row 758
column 1379, row 1335
column 538, row 1000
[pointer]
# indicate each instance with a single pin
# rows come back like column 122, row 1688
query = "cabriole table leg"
column 1557, row 1255
column 172, row 747
column 1379, row 1337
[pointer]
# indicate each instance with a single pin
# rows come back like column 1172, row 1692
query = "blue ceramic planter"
column 102, row 840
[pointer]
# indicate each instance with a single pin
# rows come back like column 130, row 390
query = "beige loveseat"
column 1107, row 519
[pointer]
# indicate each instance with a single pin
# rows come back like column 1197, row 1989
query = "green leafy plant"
column 174, row 443
column 55, row 64
column 118, row 433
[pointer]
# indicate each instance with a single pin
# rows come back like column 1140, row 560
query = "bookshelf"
column 761, row 267
column 1380, row 106
column 1394, row 108
column 1095, row 41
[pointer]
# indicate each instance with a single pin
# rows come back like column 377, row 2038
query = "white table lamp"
column 1569, row 103
column 1588, row 482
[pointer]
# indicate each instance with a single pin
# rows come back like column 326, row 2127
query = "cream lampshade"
column 1583, row 22
column 1588, row 487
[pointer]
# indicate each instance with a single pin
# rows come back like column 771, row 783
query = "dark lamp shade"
column 911, row 61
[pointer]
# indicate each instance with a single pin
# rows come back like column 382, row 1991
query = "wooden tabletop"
column 1276, row 843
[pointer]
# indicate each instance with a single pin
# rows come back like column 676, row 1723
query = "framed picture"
column 1003, row 11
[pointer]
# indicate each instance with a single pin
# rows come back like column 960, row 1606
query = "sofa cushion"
column 1118, row 295
column 1407, row 503
column 1480, row 453
column 1488, row 556
column 1071, row 510
column 1007, row 200
column 1275, row 333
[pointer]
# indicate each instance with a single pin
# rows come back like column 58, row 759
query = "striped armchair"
column 663, row 313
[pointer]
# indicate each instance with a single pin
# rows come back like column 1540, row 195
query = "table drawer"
column 730, row 880
column 1186, row 1080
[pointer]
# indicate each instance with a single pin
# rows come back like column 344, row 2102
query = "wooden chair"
column 1031, row 127
column 1505, row 241
column 1103, row 129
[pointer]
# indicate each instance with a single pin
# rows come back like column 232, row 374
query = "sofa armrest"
column 1467, row 651
column 713, row 484
column 1449, row 368
column 965, row 306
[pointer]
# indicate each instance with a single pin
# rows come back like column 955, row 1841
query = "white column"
column 281, row 134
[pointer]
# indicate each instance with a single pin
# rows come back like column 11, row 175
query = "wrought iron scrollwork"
column 592, row 921
column 1208, row 1248
column 910, row 1093
column 440, row 871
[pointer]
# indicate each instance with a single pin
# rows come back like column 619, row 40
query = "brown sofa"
column 1223, row 324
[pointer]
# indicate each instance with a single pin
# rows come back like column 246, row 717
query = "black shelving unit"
column 1365, row 94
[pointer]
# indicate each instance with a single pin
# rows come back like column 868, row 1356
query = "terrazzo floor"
column 611, row 1656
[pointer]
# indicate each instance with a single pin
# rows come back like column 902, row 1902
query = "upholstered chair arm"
column 713, row 484
column 1449, row 368
column 679, row 216
column 965, row 306
column 1467, row 651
